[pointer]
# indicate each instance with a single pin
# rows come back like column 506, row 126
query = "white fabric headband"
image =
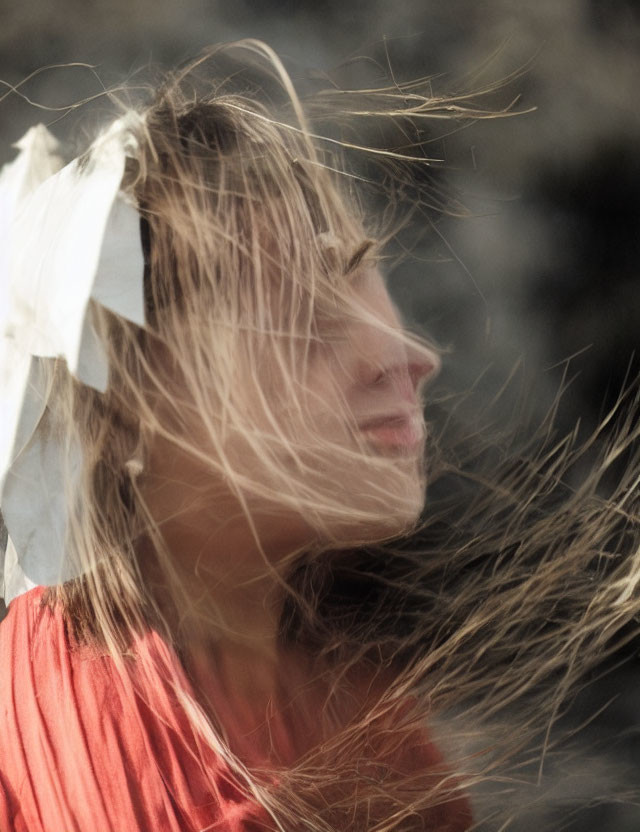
column 68, row 235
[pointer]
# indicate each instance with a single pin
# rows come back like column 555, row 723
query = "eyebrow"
column 358, row 255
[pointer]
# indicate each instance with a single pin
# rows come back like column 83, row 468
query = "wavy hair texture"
column 516, row 583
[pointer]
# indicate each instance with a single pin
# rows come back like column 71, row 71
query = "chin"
column 406, row 497
column 392, row 512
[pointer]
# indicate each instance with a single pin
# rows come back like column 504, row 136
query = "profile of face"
column 364, row 384
column 334, row 456
column 376, row 373
column 286, row 394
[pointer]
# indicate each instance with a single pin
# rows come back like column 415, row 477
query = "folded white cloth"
column 68, row 235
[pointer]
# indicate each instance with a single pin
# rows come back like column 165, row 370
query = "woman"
column 175, row 658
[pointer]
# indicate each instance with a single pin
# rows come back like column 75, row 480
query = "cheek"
column 329, row 392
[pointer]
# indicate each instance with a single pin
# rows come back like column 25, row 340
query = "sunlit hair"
column 254, row 236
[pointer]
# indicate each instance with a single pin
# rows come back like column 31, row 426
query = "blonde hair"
column 253, row 231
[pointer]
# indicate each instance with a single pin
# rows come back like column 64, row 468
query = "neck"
column 228, row 568
column 231, row 593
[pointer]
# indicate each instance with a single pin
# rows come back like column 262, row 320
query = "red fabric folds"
column 82, row 750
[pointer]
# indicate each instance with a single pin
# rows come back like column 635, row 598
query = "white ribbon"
column 67, row 236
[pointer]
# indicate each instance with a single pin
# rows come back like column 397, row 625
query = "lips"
column 400, row 432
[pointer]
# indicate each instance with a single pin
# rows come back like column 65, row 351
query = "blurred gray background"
column 544, row 268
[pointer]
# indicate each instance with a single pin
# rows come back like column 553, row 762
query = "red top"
column 81, row 750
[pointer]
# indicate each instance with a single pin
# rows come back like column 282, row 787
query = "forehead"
column 358, row 308
column 371, row 296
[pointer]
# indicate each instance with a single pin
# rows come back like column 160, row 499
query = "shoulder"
column 87, row 744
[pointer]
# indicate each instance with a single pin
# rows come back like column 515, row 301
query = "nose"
column 405, row 372
column 423, row 365
column 387, row 352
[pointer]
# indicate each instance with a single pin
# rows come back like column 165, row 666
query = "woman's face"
column 354, row 421
column 366, row 363
column 340, row 459
column 364, row 385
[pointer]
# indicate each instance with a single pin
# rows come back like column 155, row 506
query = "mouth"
column 399, row 433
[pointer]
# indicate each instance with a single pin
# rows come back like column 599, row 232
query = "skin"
column 368, row 367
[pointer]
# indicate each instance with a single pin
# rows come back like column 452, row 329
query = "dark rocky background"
column 544, row 269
